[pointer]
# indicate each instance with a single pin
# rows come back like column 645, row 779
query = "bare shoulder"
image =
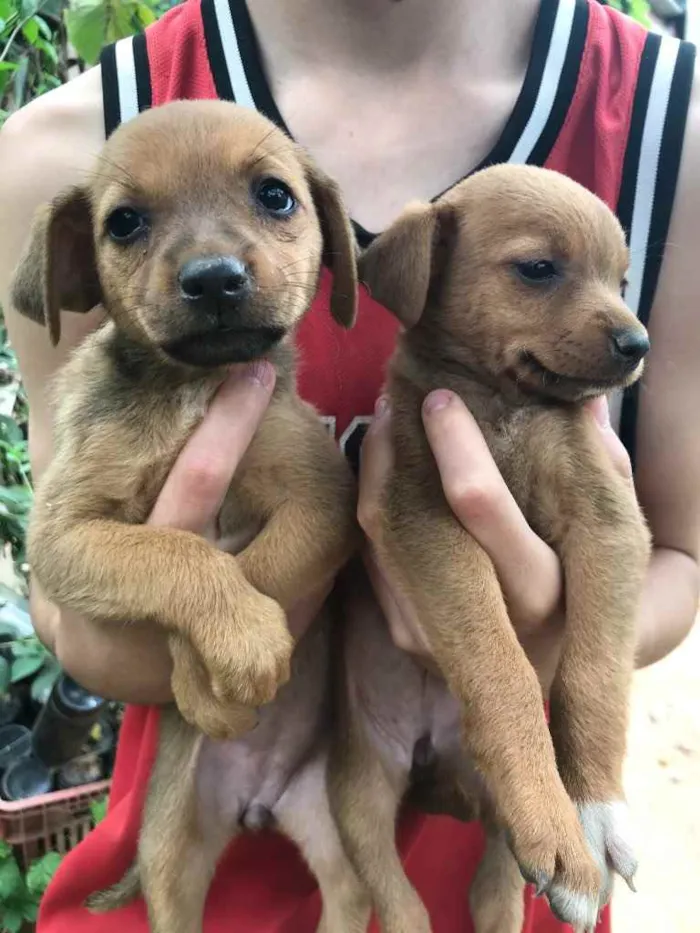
column 668, row 441
column 47, row 146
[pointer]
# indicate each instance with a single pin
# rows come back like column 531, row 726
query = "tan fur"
column 449, row 271
column 124, row 409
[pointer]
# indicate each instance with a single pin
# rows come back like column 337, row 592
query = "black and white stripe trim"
column 126, row 81
column 650, row 173
column 557, row 85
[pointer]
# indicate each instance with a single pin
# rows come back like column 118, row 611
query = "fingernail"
column 260, row 372
column 436, row 401
column 382, row 407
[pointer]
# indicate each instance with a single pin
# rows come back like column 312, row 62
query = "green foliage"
column 91, row 24
column 20, row 894
column 5, row 676
column 42, row 40
column 30, row 659
column 98, row 810
column 31, row 61
column 24, row 659
column 15, row 469
column 637, row 9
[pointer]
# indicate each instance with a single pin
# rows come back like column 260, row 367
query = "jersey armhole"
column 649, row 181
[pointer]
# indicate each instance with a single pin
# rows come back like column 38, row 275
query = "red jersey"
column 603, row 102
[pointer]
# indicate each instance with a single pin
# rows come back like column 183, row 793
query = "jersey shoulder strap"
column 169, row 61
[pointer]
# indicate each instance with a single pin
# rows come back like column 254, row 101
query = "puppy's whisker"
column 254, row 154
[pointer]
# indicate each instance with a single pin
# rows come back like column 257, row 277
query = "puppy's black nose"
column 217, row 280
column 630, row 344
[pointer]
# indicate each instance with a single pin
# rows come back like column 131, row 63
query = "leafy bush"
column 43, row 41
column 19, row 893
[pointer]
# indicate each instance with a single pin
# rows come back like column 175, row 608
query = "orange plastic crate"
column 51, row 822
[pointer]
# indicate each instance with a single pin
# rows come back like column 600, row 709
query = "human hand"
column 132, row 663
column 529, row 571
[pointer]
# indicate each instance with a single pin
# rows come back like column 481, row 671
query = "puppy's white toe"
column 608, row 831
column 576, row 909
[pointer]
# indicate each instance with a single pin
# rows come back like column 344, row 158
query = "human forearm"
column 128, row 663
column 669, row 605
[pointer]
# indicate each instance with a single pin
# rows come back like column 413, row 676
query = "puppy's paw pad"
column 608, row 831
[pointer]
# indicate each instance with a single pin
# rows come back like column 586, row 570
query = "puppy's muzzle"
column 629, row 346
column 215, row 285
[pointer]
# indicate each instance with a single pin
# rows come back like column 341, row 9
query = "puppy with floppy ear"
column 190, row 296
column 209, row 263
column 509, row 287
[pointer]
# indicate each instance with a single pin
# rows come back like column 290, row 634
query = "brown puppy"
column 201, row 232
column 509, row 289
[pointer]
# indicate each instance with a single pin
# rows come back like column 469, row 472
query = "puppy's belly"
column 240, row 781
column 408, row 715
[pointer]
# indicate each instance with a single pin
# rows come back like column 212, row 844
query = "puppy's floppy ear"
column 340, row 247
column 58, row 270
column 398, row 266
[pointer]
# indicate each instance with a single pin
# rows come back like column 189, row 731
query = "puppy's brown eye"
column 276, row 198
column 535, row 271
column 126, row 225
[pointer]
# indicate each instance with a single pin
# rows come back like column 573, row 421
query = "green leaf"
column 25, row 667
column 8, row 66
column 145, row 14
column 5, row 676
column 30, row 31
column 44, row 27
column 6, row 9
column 86, row 23
column 11, row 883
column 5, row 851
column 20, row 80
column 17, row 499
column 23, row 648
column 92, row 24
column 12, row 919
column 49, row 51
column 31, row 912
column 98, row 809
column 40, row 873
column 9, row 430
column 42, row 685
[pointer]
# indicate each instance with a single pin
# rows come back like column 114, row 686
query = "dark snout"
column 216, row 285
column 223, row 324
column 629, row 345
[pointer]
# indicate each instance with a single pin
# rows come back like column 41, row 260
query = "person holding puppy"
column 397, row 101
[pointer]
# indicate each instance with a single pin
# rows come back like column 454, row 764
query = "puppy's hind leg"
column 180, row 842
column 365, row 799
column 496, row 895
column 303, row 813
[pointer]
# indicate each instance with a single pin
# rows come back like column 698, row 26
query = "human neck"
column 391, row 35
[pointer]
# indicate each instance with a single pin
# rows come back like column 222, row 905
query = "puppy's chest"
column 509, row 439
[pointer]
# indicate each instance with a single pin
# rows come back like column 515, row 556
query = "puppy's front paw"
column 553, row 856
column 195, row 702
column 248, row 658
column 608, row 834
